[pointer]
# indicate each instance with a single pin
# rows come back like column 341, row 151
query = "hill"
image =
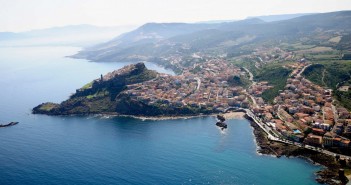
column 160, row 40
column 334, row 75
column 99, row 96
column 272, row 18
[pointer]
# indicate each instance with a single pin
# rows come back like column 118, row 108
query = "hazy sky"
column 21, row 15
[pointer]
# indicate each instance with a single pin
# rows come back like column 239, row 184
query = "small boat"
column 8, row 124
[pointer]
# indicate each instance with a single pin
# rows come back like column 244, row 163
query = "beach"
column 234, row 115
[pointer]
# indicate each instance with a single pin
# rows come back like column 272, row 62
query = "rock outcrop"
column 99, row 96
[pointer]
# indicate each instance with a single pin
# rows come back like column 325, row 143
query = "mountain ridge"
column 223, row 37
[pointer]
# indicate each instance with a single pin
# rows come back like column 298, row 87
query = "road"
column 302, row 70
column 277, row 138
column 273, row 136
column 250, row 74
column 253, row 83
column 198, row 82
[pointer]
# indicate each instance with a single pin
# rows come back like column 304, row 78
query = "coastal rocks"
column 221, row 122
column 99, row 96
column 222, row 125
column 128, row 106
column 111, row 94
column 329, row 175
column 114, row 82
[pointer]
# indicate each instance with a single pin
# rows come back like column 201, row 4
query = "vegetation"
column 345, row 43
column 239, row 81
column 87, row 86
column 344, row 98
column 196, row 70
column 329, row 73
column 98, row 96
column 295, row 46
column 318, row 32
column 48, row 106
column 332, row 74
column 314, row 72
column 276, row 76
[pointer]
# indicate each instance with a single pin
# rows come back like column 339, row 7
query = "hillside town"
column 205, row 85
column 303, row 112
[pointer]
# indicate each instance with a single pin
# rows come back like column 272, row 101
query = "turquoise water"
column 101, row 150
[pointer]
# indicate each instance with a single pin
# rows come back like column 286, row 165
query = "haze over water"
column 99, row 150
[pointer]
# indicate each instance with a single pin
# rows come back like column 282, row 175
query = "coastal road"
column 271, row 137
column 278, row 138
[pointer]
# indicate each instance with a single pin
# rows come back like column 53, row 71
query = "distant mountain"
column 139, row 39
column 272, row 18
column 265, row 18
column 230, row 38
column 215, row 21
column 7, row 36
column 75, row 35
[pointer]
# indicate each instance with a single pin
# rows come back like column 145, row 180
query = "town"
column 302, row 113
column 205, row 85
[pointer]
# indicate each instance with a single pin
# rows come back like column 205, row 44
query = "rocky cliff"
column 99, row 96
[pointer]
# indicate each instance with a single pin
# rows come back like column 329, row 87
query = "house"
column 285, row 116
column 336, row 141
column 318, row 131
column 339, row 128
column 314, row 140
column 328, row 139
column 268, row 116
column 300, row 115
column 345, row 143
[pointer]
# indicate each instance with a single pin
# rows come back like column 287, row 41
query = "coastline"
column 330, row 167
column 158, row 118
column 228, row 116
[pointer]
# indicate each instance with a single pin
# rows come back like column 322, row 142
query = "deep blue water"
column 98, row 150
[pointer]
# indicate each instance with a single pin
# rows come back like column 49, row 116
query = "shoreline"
column 228, row 116
column 330, row 167
column 159, row 118
column 328, row 174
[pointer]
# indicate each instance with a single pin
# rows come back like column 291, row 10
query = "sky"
column 24, row 15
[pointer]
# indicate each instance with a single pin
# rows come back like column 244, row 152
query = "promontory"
column 210, row 87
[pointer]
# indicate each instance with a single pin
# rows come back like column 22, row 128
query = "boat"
column 8, row 124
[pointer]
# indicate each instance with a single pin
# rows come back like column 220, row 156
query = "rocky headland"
column 102, row 95
column 108, row 95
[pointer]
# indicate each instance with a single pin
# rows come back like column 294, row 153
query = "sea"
column 83, row 150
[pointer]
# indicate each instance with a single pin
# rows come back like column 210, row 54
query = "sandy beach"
column 234, row 115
